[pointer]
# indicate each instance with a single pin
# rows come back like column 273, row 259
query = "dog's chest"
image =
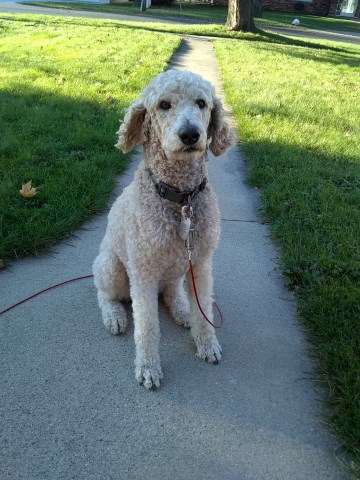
column 149, row 234
column 203, row 227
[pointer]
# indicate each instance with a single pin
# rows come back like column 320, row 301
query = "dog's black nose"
column 189, row 135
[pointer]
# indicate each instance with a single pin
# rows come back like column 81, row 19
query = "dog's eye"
column 165, row 105
column 201, row 103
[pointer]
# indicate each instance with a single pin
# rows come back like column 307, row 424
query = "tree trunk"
column 240, row 15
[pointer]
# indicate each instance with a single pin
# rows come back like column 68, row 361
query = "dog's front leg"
column 208, row 347
column 144, row 296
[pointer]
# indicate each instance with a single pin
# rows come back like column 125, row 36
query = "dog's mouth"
column 187, row 152
column 191, row 148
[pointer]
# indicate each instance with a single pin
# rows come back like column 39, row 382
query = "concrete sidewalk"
column 71, row 408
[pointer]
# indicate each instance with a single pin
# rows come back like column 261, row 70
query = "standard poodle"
column 167, row 211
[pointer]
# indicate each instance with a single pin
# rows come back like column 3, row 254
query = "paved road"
column 13, row 7
column 70, row 407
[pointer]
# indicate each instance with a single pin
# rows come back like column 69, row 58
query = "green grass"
column 63, row 88
column 298, row 119
column 208, row 13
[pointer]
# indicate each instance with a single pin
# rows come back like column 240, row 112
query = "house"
column 333, row 8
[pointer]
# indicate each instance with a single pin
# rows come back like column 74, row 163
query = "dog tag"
column 184, row 228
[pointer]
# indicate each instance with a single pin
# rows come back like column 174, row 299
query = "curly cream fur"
column 142, row 253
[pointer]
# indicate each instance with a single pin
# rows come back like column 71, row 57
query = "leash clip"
column 189, row 242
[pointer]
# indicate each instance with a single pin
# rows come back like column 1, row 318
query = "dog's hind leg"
column 112, row 282
column 175, row 297
column 208, row 347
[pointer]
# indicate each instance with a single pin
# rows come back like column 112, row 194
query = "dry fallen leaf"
column 27, row 190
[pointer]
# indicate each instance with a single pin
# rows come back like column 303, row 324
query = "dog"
column 167, row 214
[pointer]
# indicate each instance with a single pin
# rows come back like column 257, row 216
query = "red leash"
column 197, row 300
column 90, row 276
column 45, row 290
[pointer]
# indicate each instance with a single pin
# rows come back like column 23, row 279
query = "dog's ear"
column 131, row 130
column 221, row 134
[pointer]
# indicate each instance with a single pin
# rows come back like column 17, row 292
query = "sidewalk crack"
column 242, row 221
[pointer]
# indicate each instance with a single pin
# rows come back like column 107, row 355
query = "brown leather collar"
column 174, row 194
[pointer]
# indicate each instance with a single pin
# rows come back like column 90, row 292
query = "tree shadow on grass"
column 311, row 199
column 285, row 40
column 66, row 147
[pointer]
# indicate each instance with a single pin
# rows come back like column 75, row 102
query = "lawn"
column 208, row 13
column 63, row 88
column 298, row 115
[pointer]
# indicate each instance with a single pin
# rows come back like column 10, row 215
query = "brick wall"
column 333, row 7
column 316, row 7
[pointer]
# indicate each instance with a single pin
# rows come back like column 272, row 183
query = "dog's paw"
column 180, row 310
column 209, row 350
column 149, row 375
column 114, row 318
column 182, row 318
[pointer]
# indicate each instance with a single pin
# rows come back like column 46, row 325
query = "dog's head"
column 181, row 110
